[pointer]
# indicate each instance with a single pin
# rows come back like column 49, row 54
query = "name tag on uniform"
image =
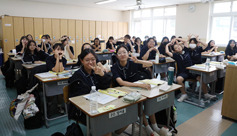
column 117, row 113
column 161, row 98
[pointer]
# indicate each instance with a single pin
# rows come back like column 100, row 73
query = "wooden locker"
column 78, row 37
column 120, row 29
column 56, row 29
column 47, row 24
column 115, row 30
column 8, row 37
column 63, row 26
column 104, row 29
column 110, row 29
column 85, row 31
column 125, row 28
column 18, row 26
column 38, row 29
column 92, row 30
column 29, row 26
column 98, row 31
column 72, row 34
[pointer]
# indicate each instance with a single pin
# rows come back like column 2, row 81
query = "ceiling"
column 118, row 5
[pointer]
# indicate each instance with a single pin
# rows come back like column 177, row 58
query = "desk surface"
column 155, row 92
column 211, row 69
column 209, row 55
column 169, row 60
column 16, row 58
column 83, row 104
column 11, row 54
column 45, row 80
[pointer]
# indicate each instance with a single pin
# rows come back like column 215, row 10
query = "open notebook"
column 102, row 98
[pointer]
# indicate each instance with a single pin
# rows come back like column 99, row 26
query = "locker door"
column 104, row 29
column 78, row 37
column 38, row 29
column 8, row 37
column 120, row 29
column 56, row 29
column 29, row 26
column 98, row 32
column 85, row 31
column 63, row 26
column 115, row 30
column 92, row 30
column 125, row 28
column 72, row 33
column 47, row 27
column 110, row 29
column 18, row 27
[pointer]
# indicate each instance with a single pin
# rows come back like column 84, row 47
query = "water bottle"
column 170, row 75
column 207, row 64
column 93, row 100
column 134, row 50
column 157, row 58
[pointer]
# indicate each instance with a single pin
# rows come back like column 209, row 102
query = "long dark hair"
column 209, row 44
column 194, row 40
column 111, row 37
column 82, row 47
column 96, row 39
column 63, row 41
column 28, row 47
column 228, row 46
column 23, row 37
column 173, row 37
column 86, row 52
column 138, row 38
column 30, row 36
column 164, row 39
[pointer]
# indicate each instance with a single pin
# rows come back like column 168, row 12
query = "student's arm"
column 167, row 50
column 130, row 44
column 23, row 48
column 59, row 65
column 115, row 41
column 145, row 63
column 138, row 48
column 185, row 42
column 204, row 45
column 46, row 50
column 129, row 84
column 69, row 51
column 146, row 56
column 189, row 36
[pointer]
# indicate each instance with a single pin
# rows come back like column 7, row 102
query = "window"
column 223, row 25
column 222, row 7
column 157, row 22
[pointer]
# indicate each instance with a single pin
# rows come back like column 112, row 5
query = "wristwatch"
column 60, row 60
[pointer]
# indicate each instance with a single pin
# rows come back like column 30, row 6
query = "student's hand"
column 197, row 37
column 101, row 66
column 67, row 47
column 161, row 56
column 133, row 58
column 189, row 36
column 63, row 38
column 98, row 70
column 146, row 86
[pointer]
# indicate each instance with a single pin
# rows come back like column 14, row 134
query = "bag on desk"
column 131, row 97
column 74, row 130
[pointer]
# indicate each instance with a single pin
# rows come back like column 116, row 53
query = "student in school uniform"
column 126, row 42
column 145, row 41
column 154, row 37
column 195, row 51
column 231, row 51
column 30, row 37
column 172, row 37
column 69, row 52
column 133, row 39
column 164, row 42
column 182, row 57
column 138, row 45
column 110, row 44
column 125, row 73
column 210, row 47
column 96, row 46
column 44, row 45
column 33, row 54
column 83, row 79
column 22, row 46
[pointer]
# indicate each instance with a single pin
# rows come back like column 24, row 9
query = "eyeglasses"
column 122, row 53
column 90, row 60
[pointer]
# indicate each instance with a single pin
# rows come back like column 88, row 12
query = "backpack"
column 74, row 130
column 9, row 74
column 161, row 118
column 5, row 67
column 21, row 85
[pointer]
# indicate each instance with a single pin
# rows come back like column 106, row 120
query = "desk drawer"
column 209, row 77
column 161, row 68
column 221, row 73
column 55, row 88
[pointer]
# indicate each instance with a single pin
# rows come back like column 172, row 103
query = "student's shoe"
column 60, row 110
column 209, row 97
column 154, row 134
column 182, row 97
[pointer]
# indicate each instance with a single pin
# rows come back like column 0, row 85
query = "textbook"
column 152, row 81
column 113, row 92
column 102, row 98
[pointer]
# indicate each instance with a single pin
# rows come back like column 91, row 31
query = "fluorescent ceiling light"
column 135, row 7
column 104, row 1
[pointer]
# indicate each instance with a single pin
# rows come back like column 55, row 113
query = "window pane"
column 137, row 14
column 145, row 28
column 146, row 13
column 234, row 8
column 170, row 11
column 220, row 29
column 137, row 27
column 222, row 7
column 158, row 12
column 234, row 29
column 158, row 29
column 170, row 27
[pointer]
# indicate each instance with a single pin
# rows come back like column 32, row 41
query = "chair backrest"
column 65, row 93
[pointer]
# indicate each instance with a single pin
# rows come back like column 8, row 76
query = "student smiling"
column 231, row 51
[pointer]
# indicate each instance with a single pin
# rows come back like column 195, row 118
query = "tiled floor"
column 192, row 120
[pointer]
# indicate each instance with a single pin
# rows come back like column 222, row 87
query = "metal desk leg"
column 200, row 91
column 133, row 129
column 45, row 107
column 141, row 119
column 168, row 120
column 88, row 125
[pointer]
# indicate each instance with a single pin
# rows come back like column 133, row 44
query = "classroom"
column 118, row 67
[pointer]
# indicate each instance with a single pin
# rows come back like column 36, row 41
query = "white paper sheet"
column 46, row 75
column 102, row 98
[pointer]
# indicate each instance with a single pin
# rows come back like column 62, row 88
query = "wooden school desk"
column 11, row 54
column 207, row 76
column 157, row 99
column 109, row 121
column 18, row 67
column 215, row 57
column 52, row 87
column 162, row 67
